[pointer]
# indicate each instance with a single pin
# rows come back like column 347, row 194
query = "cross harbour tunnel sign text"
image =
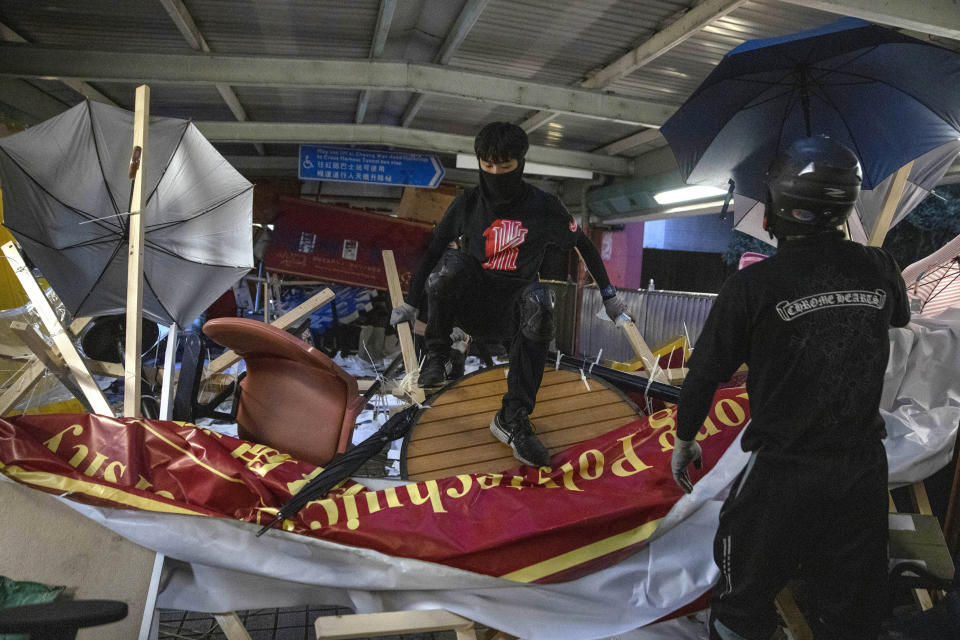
column 394, row 168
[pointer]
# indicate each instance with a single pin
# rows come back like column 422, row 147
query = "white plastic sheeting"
column 220, row 565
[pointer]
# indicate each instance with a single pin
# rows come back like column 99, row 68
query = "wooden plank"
column 49, row 357
column 231, row 626
column 546, row 408
column 315, row 301
column 482, row 420
column 572, row 389
column 134, row 313
column 483, row 387
column 477, row 437
column 643, row 352
column 790, row 613
column 393, row 623
column 403, row 329
column 487, row 457
column 56, row 330
column 879, row 231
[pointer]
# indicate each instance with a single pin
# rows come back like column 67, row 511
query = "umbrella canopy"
column 888, row 97
column 66, row 192
column 925, row 174
column 933, row 283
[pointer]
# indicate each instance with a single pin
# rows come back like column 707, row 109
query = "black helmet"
column 814, row 182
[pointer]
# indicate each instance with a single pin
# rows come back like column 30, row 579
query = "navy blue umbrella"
column 889, row 97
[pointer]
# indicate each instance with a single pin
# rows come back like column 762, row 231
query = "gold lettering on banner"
column 350, row 506
column 708, row 429
column 739, row 415
column 663, row 418
column 373, row 501
column 110, row 475
column 630, row 457
column 568, row 484
column 330, row 507
column 489, row 480
column 433, row 495
column 466, row 482
column 81, row 453
column 294, row 487
column 667, row 440
column 143, row 484
column 516, row 482
column 54, row 443
column 259, row 458
column 393, row 500
column 588, row 471
column 94, row 466
column 545, row 482
column 166, row 494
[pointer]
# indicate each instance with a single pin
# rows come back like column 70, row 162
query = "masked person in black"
column 480, row 273
column 812, row 324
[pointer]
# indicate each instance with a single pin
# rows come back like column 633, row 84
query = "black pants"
column 461, row 293
column 822, row 519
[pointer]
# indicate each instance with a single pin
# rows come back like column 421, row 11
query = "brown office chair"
column 293, row 398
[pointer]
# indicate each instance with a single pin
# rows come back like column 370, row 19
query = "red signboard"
column 599, row 502
column 337, row 244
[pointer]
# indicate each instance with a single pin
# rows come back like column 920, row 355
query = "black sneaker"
column 433, row 372
column 518, row 433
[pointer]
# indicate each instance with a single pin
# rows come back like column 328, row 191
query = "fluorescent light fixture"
column 712, row 204
column 468, row 161
column 686, row 194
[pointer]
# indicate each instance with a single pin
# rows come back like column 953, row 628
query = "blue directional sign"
column 395, row 168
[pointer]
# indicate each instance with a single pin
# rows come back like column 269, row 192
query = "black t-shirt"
column 508, row 241
column 812, row 324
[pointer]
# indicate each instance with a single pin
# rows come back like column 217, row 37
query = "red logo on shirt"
column 573, row 225
column 504, row 238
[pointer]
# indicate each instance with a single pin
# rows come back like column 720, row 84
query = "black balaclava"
column 501, row 189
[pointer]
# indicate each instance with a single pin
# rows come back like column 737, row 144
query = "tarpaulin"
column 337, row 244
column 600, row 501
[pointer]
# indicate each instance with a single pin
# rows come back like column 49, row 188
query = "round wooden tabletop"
column 453, row 435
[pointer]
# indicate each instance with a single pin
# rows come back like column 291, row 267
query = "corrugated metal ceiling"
column 558, row 42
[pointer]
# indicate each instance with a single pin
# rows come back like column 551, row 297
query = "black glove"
column 614, row 307
column 685, row 452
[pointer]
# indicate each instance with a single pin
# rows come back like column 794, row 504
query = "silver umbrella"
column 66, row 195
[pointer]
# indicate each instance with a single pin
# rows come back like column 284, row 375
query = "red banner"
column 336, row 244
column 600, row 501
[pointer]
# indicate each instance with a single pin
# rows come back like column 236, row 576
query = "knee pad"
column 536, row 312
column 442, row 280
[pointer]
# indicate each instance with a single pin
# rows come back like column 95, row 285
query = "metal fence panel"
column 661, row 316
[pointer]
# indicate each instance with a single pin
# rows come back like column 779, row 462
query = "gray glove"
column 404, row 313
column 614, row 307
column 685, row 452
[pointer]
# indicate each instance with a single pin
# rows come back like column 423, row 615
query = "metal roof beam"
column 630, row 142
column 43, row 62
column 191, row 33
column 468, row 17
column 374, row 134
column 384, row 20
column 29, row 100
column 936, row 17
column 662, row 41
column 9, row 35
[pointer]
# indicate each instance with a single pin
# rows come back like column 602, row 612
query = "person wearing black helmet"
column 480, row 273
column 811, row 323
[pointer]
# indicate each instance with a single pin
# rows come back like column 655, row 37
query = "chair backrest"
column 294, row 398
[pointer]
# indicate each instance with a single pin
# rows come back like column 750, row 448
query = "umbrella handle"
column 135, row 161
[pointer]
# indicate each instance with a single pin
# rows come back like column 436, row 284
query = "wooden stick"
column 134, row 317
column 403, row 329
column 374, row 625
column 56, row 330
column 643, row 352
column 879, row 231
column 49, row 357
column 315, row 301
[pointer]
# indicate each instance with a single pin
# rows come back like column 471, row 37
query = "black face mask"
column 499, row 189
